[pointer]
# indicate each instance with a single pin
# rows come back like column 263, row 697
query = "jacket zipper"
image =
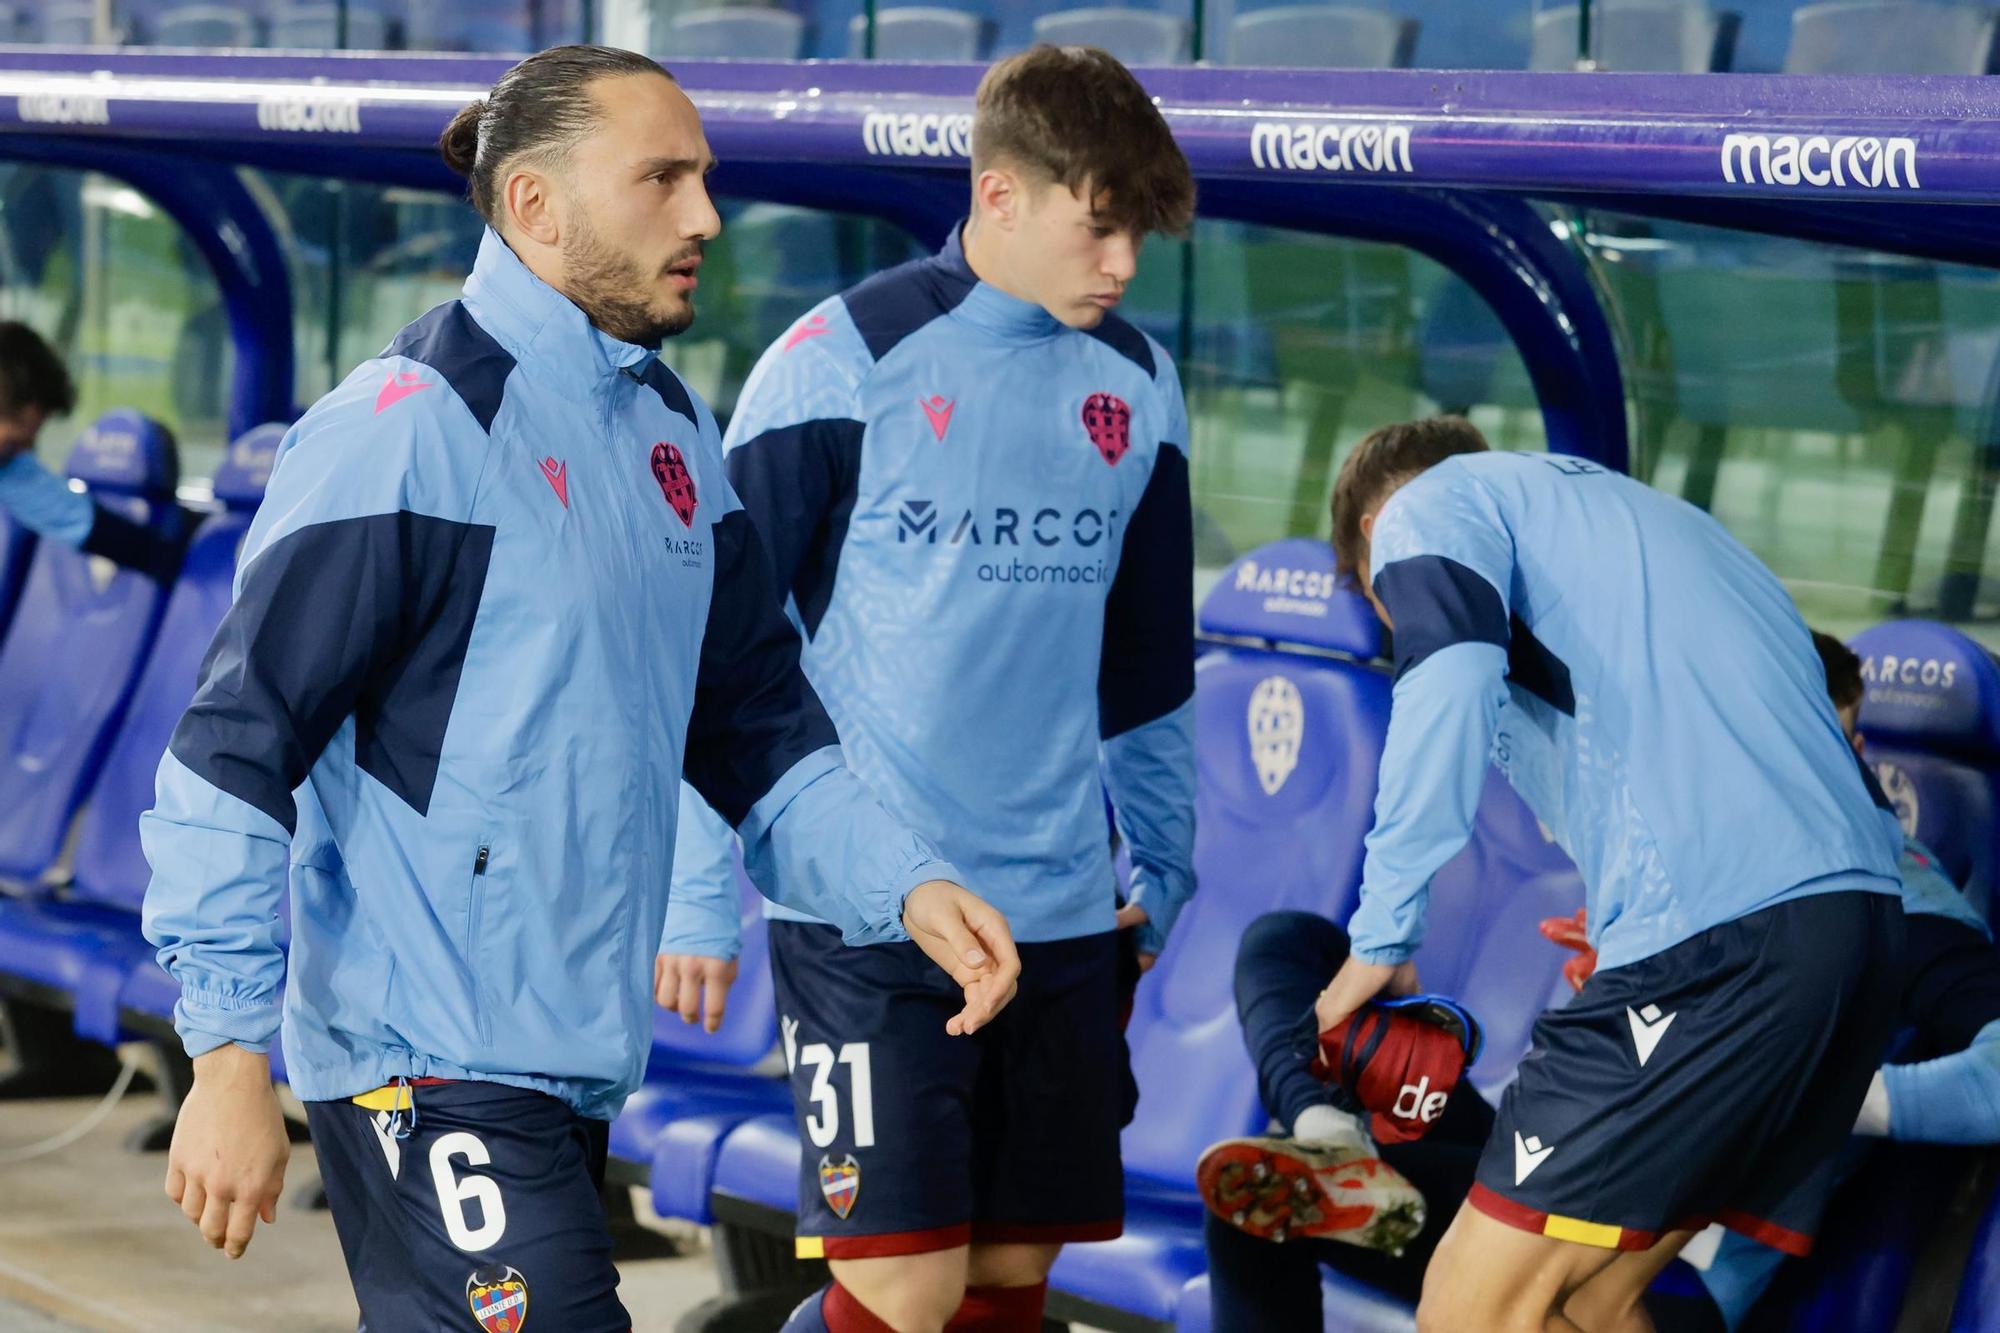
column 472, row 945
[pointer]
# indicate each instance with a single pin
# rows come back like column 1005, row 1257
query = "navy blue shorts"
column 1712, row 1082
column 486, row 1213
column 915, row 1140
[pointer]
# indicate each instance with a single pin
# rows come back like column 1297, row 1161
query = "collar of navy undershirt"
column 986, row 306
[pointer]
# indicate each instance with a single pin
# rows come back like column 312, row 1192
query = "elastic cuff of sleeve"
column 1388, row 955
column 197, row 1043
column 921, row 873
column 206, row 1020
column 725, row 950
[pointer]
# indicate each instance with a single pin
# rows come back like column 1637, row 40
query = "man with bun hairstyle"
column 500, row 596
column 1649, row 689
column 972, row 475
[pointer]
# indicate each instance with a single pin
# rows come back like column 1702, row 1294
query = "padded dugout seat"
column 1931, row 719
column 1289, row 721
column 17, row 549
column 80, row 634
column 86, row 944
column 699, row 1086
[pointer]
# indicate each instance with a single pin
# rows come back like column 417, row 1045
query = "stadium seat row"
column 1292, row 702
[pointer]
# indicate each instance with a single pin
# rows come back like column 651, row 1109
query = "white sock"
column 1328, row 1124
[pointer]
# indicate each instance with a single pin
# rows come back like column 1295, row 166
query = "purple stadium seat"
column 110, row 867
column 1289, row 720
column 699, row 1087
column 17, row 549
column 87, row 944
column 1931, row 718
column 79, row 635
column 1978, row 1307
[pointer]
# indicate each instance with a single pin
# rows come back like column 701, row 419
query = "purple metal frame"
column 1359, row 153
column 1822, row 139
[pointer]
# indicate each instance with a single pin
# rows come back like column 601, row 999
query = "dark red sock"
column 1000, row 1310
column 844, row 1314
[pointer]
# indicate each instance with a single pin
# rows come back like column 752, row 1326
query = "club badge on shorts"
column 840, row 1184
column 1109, row 422
column 676, row 482
column 499, row 1298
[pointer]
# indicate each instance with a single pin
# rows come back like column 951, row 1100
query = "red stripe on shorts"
column 1046, row 1233
column 890, row 1243
column 1795, row 1243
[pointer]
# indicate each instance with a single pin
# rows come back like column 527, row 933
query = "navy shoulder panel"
column 1435, row 602
column 366, row 616
column 668, row 385
column 1127, row 341
column 449, row 340
column 891, row 306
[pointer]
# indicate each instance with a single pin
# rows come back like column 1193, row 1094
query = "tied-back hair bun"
column 459, row 144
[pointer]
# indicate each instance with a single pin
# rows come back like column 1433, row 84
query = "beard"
column 613, row 291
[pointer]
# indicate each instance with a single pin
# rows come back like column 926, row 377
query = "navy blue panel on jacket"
column 1127, row 341
column 368, row 616
column 754, row 714
column 1434, row 602
column 799, row 480
column 667, row 385
column 449, row 341
column 1147, row 670
column 891, row 306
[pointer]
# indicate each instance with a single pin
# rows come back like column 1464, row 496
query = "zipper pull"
column 479, row 862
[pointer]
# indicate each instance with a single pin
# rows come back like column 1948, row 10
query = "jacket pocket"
column 479, row 885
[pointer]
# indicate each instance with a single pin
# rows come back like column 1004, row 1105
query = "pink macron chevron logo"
column 398, row 387
column 938, row 409
column 557, row 475
column 811, row 328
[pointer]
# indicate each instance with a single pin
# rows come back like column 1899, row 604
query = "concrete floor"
column 88, row 1241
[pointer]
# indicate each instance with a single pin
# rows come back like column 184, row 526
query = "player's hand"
column 226, row 1167
column 1357, row 983
column 1130, row 916
column 966, row 937
column 695, row 987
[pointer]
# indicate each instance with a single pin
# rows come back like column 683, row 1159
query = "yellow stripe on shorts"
column 1582, row 1232
column 386, row 1098
column 810, row 1247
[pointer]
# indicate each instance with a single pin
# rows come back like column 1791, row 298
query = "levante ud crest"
column 499, row 1299
column 676, row 482
column 840, row 1184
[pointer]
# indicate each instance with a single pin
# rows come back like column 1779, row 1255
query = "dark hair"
column 1379, row 464
column 542, row 105
column 1077, row 116
column 1843, row 670
column 31, row 374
